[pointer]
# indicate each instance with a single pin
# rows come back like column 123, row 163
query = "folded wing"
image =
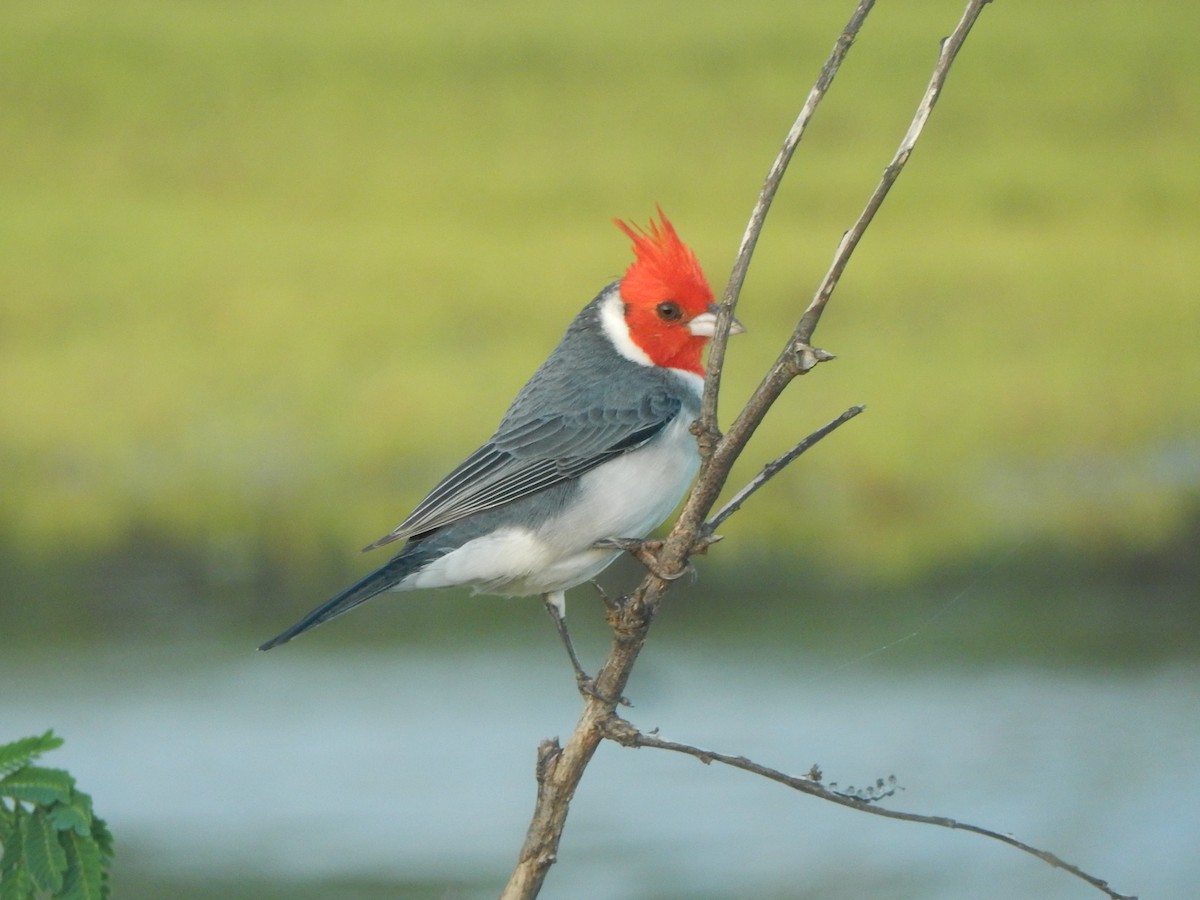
column 531, row 453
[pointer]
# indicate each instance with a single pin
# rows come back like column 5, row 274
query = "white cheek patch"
column 612, row 320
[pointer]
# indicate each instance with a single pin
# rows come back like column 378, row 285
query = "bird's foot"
column 646, row 552
column 612, row 604
column 587, row 687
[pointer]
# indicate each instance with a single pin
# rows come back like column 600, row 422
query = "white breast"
column 631, row 495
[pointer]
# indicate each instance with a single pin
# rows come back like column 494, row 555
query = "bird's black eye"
column 669, row 311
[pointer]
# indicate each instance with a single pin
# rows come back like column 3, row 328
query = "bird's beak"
column 705, row 324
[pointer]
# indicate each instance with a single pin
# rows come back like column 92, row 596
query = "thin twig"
column 949, row 50
column 741, row 262
column 626, row 734
column 798, row 355
column 771, row 469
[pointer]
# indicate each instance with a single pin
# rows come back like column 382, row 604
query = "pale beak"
column 705, row 324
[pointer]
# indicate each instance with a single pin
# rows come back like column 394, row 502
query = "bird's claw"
column 587, row 687
column 611, row 603
column 645, row 552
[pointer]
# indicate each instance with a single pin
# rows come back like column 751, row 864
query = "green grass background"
column 268, row 270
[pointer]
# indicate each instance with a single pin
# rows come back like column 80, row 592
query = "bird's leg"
column 555, row 605
column 556, row 602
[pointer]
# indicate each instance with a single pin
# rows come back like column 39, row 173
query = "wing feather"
column 532, row 453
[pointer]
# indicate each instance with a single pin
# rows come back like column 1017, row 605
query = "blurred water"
column 301, row 764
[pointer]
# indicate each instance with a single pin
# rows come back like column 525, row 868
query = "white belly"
column 627, row 497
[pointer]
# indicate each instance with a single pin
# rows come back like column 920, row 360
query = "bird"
column 594, row 450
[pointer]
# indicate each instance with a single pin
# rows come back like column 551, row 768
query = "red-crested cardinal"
column 595, row 446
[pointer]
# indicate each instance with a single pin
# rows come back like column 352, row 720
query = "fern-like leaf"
column 85, row 876
column 14, row 880
column 103, row 838
column 75, row 815
column 33, row 784
column 44, row 855
column 22, row 751
column 15, row 883
column 53, row 847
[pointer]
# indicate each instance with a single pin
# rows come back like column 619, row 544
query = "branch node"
column 803, row 357
column 630, row 617
column 771, row 469
column 548, row 754
column 616, row 729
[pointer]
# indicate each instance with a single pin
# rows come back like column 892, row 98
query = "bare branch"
column 950, row 48
column 626, row 734
column 798, row 355
column 771, row 469
column 741, row 262
column 560, row 770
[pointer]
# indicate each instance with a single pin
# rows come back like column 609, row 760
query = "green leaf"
column 103, row 838
column 45, row 858
column 21, row 751
column 11, row 846
column 15, row 883
column 58, row 848
column 85, row 876
column 14, row 880
column 33, row 784
column 75, row 815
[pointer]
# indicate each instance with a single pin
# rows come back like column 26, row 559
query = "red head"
column 668, row 303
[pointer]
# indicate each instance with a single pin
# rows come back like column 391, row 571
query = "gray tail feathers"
column 359, row 592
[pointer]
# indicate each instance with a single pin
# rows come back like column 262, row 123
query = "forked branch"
column 798, row 355
column 758, row 216
column 560, row 767
column 775, row 466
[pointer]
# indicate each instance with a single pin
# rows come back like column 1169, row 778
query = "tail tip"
column 273, row 642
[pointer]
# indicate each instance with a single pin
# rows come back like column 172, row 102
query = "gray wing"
column 531, row 453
